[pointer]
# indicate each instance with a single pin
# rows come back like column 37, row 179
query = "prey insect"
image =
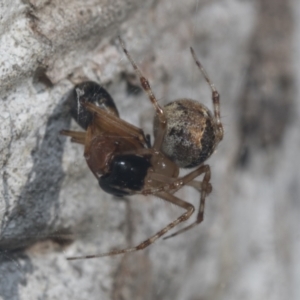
column 124, row 162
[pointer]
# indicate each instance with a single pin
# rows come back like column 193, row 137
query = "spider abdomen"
column 190, row 136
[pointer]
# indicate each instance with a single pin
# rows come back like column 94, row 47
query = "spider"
column 122, row 159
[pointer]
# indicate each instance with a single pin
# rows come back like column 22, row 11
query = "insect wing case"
column 107, row 136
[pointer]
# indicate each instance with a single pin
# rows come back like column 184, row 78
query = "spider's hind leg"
column 147, row 88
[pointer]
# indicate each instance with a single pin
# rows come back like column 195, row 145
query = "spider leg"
column 165, row 196
column 215, row 96
column 206, row 189
column 147, row 88
column 198, row 185
column 172, row 185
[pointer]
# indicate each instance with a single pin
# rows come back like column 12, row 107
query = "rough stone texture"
column 50, row 204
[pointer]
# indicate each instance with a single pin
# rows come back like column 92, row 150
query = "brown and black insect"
column 122, row 159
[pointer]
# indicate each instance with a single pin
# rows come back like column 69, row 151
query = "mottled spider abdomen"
column 89, row 91
column 190, row 135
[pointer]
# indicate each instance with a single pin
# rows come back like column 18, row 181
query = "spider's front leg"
column 172, row 185
column 206, row 189
column 167, row 197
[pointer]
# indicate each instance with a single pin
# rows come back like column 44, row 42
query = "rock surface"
column 51, row 206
